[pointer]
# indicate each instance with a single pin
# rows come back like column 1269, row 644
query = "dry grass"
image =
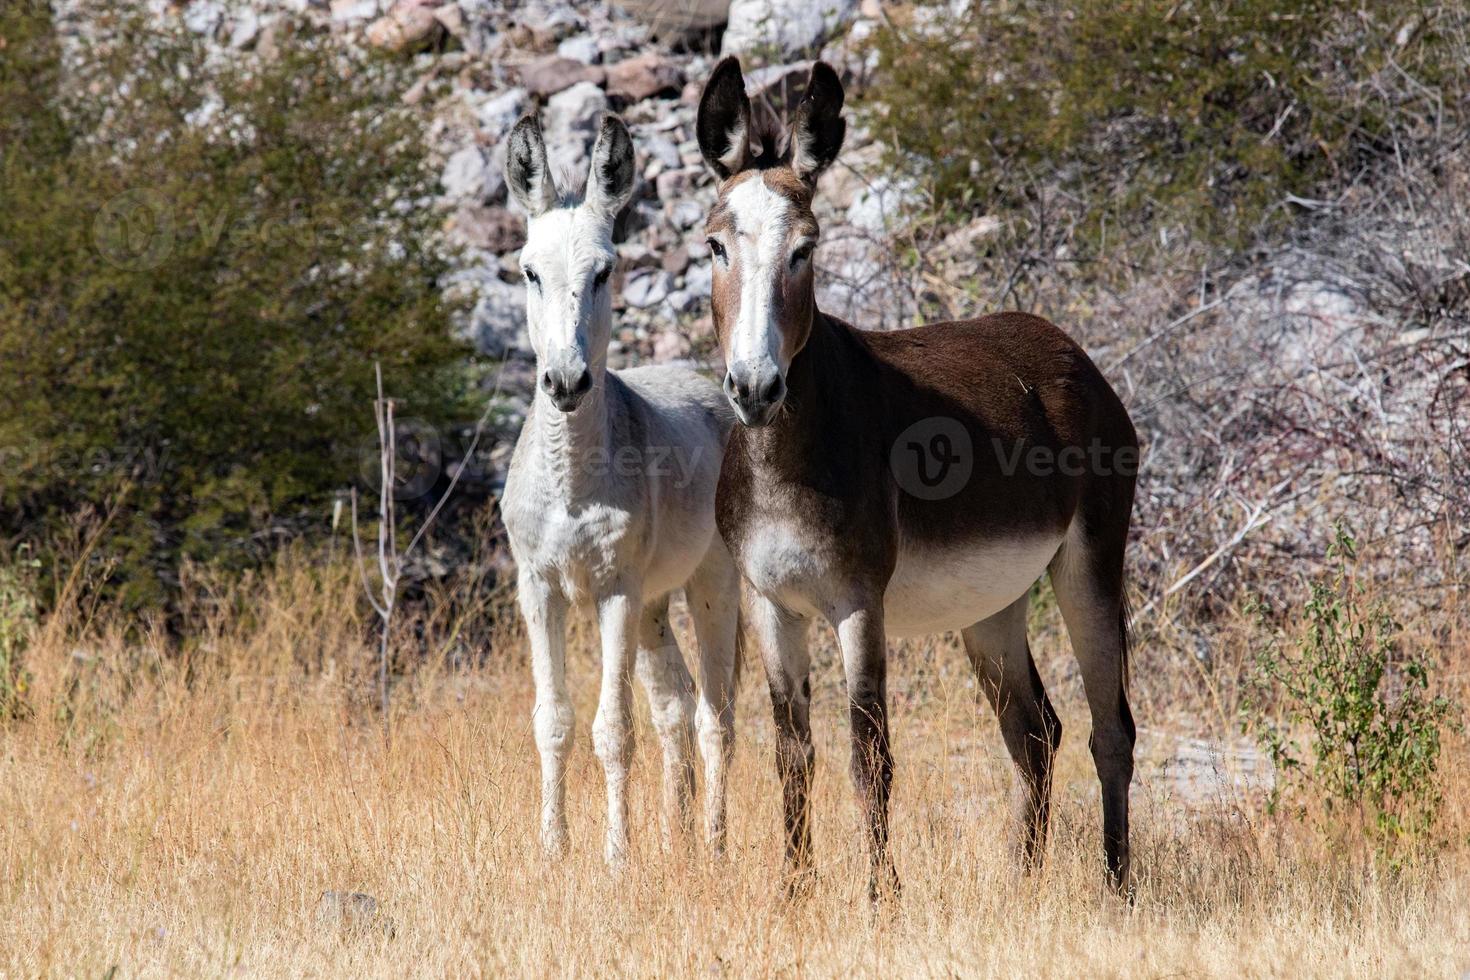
column 177, row 809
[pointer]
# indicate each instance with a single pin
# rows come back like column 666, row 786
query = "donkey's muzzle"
column 755, row 392
column 566, row 386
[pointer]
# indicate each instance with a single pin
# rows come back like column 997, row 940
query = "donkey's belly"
column 948, row 588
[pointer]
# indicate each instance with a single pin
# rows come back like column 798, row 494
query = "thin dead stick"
column 1260, row 515
column 391, row 561
column 1170, row 328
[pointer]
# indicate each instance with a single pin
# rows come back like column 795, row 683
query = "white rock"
column 204, row 17
column 699, row 279
column 662, row 149
column 354, row 11
column 580, row 47
column 466, row 175
column 878, row 205
column 682, row 301
column 790, row 27
column 498, row 115
column 497, row 326
column 647, row 287
column 686, row 214
column 571, row 123
column 245, row 30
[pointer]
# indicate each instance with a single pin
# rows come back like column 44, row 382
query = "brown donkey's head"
column 762, row 231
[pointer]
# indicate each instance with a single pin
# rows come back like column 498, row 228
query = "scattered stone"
column 410, row 25
column 466, row 175
column 352, row 12
column 497, row 326
column 675, row 260
column 662, row 149
column 452, row 19
column 268, row 45
column 877, row 205
column 245, row 30
column 581, row 47
column 671, row 185
column 779, row 85
column 962, row 241
column 670, row 345
column 500, row 114
column 553, row 74
column 646, row 287
column 677, row 15
column 352, row 914
column 790, row 27
column 682, row 301
column 495, row 230
column 699, row 280
column 686, row 214
column 644, row 77
column 571, row 120
column 204, row 17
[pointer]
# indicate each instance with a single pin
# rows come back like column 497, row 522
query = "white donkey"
column 610, row 501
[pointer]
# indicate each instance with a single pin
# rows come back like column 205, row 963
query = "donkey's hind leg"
column 1087, row 576
column 1032, row 731
column 714, row 605
column 670, row 689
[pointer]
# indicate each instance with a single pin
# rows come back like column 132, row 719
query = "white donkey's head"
column 568, row 257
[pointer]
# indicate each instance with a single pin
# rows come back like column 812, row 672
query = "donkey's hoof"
column 884, row 889
column 554, row 843
column 799, row 883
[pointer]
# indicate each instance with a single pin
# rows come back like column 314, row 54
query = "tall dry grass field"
column 178, row 807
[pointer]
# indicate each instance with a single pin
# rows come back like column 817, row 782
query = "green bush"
column 200, row 260
column 1363, row 701
column 1205, row 113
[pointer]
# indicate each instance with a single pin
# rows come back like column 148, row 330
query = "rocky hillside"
column 481, row 65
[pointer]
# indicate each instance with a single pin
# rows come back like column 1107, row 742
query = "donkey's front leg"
column 545, row 610
column 782, row 640
column 865, row 662
column 665, row 678
column 618, row 613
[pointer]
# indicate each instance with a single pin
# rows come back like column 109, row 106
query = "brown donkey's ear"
column 817, row 126
column 527, row 173
column 610, row 178
column 723, row 125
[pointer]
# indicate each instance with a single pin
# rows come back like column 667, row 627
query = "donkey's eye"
column 802, row 254
column 600, row 279
column 532, row 278
column 716, row 248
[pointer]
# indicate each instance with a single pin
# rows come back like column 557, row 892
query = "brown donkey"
column 907, row 483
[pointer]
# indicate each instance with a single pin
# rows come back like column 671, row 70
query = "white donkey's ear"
column 723, row 124
column 817, row 126
column 610, row 178
column 527, row 173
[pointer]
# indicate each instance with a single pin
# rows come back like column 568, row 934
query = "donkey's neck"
column 573, row 447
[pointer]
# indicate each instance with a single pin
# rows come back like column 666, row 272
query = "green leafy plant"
column 200, row 261
column 1346, row 714
column 1146, row 116
column 17, row 625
